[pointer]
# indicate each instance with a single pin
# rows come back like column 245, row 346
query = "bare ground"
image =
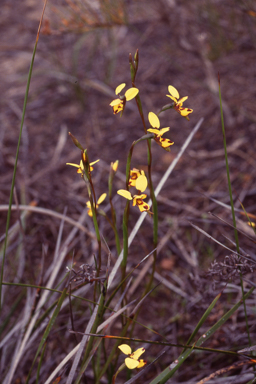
column 185, row 44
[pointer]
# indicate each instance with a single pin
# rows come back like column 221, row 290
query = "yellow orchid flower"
column 119, row 104
column 81, row 165
column 133, row 361
column 140, row 184
column 158, row 133
column 134, row 174
column 100, row 200
column 178, row 103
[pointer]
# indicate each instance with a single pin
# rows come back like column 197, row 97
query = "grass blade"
column 17, row 152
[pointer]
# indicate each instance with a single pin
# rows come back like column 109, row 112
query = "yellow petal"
column 173, row 98
column 165, row 143
column 131, row 93
column 94, row 162
column 130, row 363
column 185, row 111
column 181, row 101
column 119, row 88
column 141, row 363
column 134, row 174
column 153, row 119
column 163, row 130
column 101, row 198
column 126, row 349
column 125, row 193
column 153, row 130
column 118, row 108
column 73, row 165
column 136, row 354
column 139, row 197
column 81, row 165
column 114, row 165
column 143, row 207
column 115, row 102
column 173, row 91
column 90, row 213
column 141, row 183
column 88, row 204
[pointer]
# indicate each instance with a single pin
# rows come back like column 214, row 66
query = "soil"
column 82, row 55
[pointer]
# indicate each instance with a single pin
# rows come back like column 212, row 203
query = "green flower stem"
column 126, row 211
column 134, row 68
column 125, row 239
column 119, row 370
column 134, row 65
column 113, row 212
column 232, row 206
column 17, row 152
column 93, row 202
column 152, row 192
column 126, row 214
column 165, row 108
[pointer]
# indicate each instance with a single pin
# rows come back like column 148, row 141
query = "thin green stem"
column 152, row 192
column 232, row 206
column 93, row 203
column 113, row 212
column 17, row 152
column 126, row 214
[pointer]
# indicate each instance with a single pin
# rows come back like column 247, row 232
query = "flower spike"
column 178, row 103
column 158, row 133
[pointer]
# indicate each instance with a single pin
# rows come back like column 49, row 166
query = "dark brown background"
column 82, row 56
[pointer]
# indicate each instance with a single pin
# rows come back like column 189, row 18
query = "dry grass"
column 76, row 69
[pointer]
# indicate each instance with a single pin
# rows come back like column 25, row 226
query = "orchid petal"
column 125, row 193
column 131, row 93
column 119, row 88
column 126, row 349
column 141, row 183
column 130, row 363
column 101, row 198
column 173, row 91
column 153, row 119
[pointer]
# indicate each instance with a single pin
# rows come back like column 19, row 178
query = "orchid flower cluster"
column 136, row 184
column 138, row 178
